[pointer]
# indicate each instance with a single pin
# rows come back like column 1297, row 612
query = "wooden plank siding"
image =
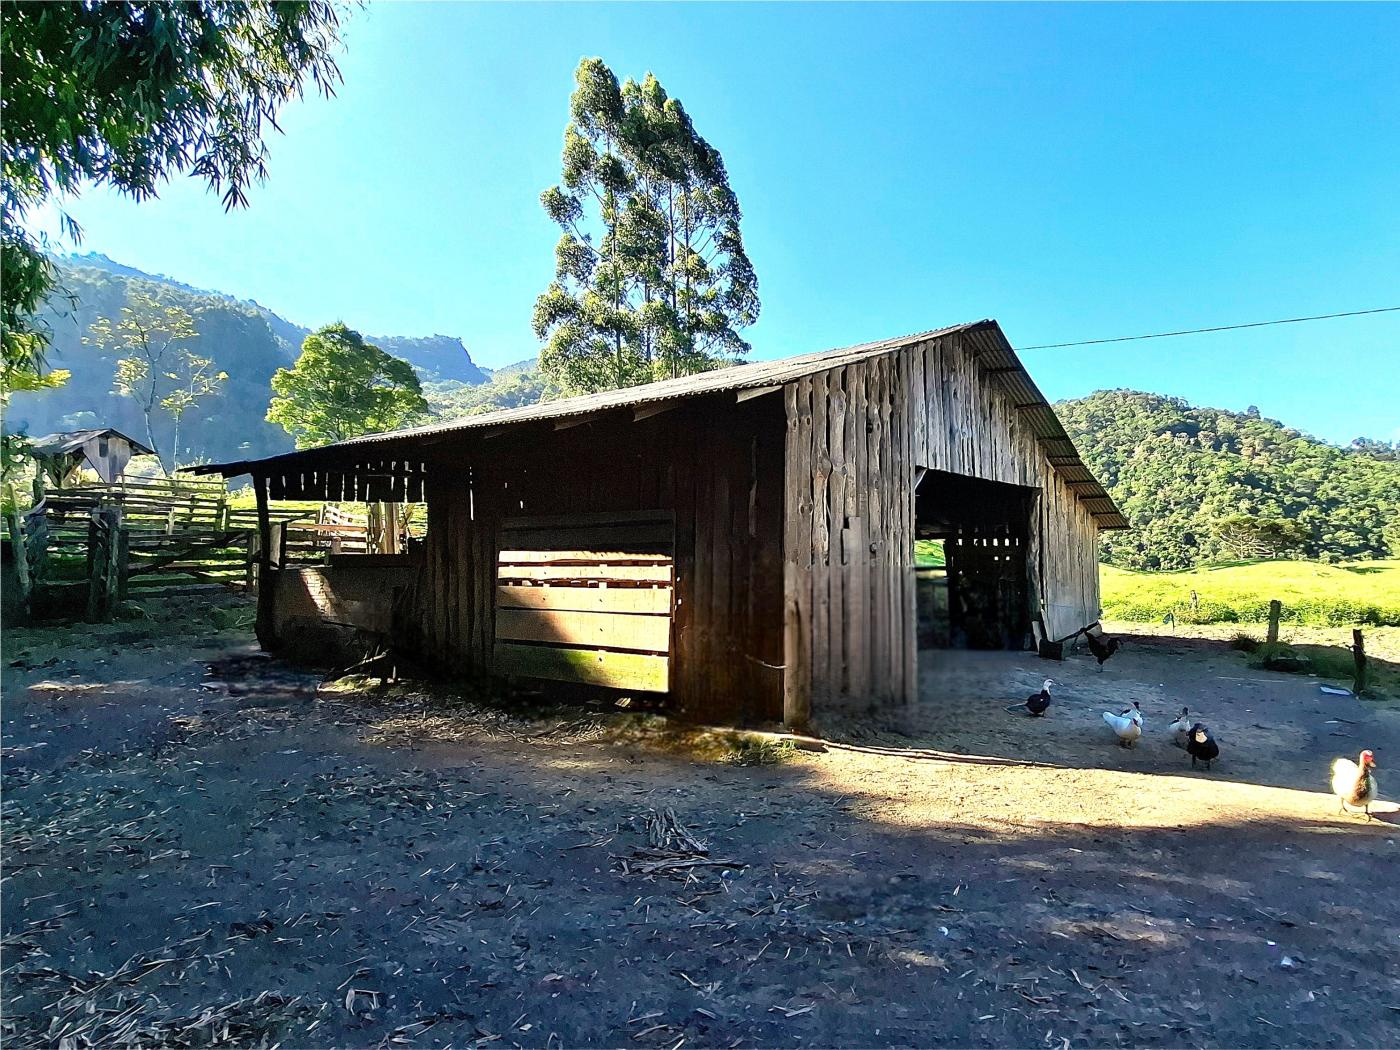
column 711, row 467
column 856, row 437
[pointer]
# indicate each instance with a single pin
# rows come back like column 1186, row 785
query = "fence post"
column 102, row 562
column 1358, row 652
column 21, row 556
column 123, row 561
column 1275, row 611
column 36, row 542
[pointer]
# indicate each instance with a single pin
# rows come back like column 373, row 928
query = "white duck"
column 1128, row 725
column 1181, row 728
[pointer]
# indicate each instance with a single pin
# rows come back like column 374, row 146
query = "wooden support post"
column 21, row 555
column 104, row 529
column 123, row 562
column 36, row 543
column 1275, row 611
column 267, row 583
column 1358, row 652
column 250, row 575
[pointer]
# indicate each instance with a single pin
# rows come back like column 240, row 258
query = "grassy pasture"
column 1355, row 594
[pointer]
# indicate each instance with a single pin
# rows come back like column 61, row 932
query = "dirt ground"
column 202, row 846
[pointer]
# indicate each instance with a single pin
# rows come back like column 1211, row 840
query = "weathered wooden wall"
column 856, row 436
column 715, row 462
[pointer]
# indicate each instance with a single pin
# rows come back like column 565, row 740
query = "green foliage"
column 1244, row 642
column 1251, row 536
column 651, row 277
column 342, row 387
column 155, row 366
column 1320, row 595
column 1178, row 472
column 505, row 390
column 128, row 95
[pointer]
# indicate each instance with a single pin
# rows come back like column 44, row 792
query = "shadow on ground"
column 194, row 859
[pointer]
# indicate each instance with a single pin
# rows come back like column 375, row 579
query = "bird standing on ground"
column 1036, row 703
column 1181, row 728
column 1101, row 646
column 1354, row 783
column 1127, row 725
column 1201, row 746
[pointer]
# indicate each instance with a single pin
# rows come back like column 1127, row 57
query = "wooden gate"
column 587, row 598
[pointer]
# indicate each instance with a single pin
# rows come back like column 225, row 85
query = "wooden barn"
column 741, row 541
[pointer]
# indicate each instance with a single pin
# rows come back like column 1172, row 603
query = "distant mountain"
column 245, row 339
column 436, row 358
column 1177, row 470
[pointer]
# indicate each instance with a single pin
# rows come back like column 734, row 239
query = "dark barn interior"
column 981, row 598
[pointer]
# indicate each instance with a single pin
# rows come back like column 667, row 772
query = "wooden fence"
column 142, row 537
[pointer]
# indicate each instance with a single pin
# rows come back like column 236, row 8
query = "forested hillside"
column 244, row 339
column 1181, row 474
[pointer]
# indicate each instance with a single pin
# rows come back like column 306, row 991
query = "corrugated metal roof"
column 994, row 355
column 70, row 440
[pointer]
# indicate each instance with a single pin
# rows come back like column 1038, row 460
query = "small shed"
column 107, row 451
column 741, row 541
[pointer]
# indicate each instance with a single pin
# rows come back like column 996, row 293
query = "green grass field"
column 1354, row 594
column 928, row 554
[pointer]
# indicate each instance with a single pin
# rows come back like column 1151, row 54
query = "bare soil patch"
column 204, row 847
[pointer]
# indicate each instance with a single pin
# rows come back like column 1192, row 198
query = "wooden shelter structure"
column 105, row 450
column 740, row 540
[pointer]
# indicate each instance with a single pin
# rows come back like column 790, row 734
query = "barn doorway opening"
column 971, row 575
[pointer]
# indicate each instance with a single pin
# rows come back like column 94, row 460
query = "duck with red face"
column 1354, row 783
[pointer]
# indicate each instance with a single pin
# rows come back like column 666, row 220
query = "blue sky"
column 1074, row 171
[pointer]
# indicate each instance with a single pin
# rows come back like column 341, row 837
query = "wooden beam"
column 753, row 392
column 592, row 667
column 642, row 412
column 645, row 633
column 630, row 573
column 575, row 421
column 585, row 599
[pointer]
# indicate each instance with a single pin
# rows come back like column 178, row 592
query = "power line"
column 1221, row 328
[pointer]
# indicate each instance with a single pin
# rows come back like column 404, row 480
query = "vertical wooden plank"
column 821, row 547
column 856, row 550
column 687, row 667
column 914, row 392
column 703, row 625
column 878, row 529
column 797, row 556
column 267, row 586
column 910, row 390
column 837, row 423
column 726, row 638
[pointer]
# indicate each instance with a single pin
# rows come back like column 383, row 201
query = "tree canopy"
column 128, row 95
column 155, row 365
column 1185, row 477
column 651, row 276
column 342, row 387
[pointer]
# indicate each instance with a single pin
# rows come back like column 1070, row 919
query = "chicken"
column 1181, row 728
column 1201, row 746
column 1101, row 646
column 1354, row 783
column 1127, row 725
